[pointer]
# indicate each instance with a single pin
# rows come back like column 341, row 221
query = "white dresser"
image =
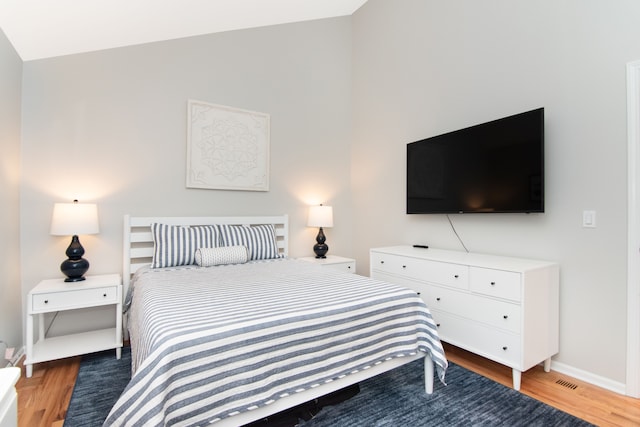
column 502, row 308
column 8, row 397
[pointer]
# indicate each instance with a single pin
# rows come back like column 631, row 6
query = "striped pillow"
column 208, row 257
column 260, row 240
column 175, row 245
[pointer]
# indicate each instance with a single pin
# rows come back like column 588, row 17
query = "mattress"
column 209, row 343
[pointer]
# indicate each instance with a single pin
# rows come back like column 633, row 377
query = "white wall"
column 345, row 96
column 425, row 67
column 110, row 127
column 10, row 93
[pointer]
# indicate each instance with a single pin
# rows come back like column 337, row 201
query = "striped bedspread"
column 208, row 343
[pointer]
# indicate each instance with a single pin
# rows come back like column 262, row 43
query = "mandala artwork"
column 228, row 148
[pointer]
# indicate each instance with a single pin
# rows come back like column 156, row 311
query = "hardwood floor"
column 43, row 398
column 583, row 400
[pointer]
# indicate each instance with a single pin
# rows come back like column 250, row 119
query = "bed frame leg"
column 428, row 375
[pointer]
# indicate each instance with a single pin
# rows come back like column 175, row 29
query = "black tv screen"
column 496, row 166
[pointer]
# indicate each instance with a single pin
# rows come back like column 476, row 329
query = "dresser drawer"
column 448, row 274
column 387, row 263
column 501, row 346
column 495, row 313
column 74, row 298
column 495, row 283
column 397, row 280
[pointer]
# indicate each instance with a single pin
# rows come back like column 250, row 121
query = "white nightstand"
column 57, row 295
column 347, row 265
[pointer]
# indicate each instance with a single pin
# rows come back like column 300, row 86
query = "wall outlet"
column 8, row 353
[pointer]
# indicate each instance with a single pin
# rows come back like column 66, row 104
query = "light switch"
column 589, row 219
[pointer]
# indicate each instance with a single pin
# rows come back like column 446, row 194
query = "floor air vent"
column 567, row 384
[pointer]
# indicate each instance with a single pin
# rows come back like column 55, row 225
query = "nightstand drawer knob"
column 456, row 276
column 493, row 283
column 505, row 317
column 505, row 348
column 438, row 299
column 104, row 295
column 46, row 301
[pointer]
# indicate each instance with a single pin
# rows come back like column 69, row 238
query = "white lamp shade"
column 71, row 219
column 320, row 216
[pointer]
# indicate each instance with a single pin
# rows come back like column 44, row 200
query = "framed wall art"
column 227, row 148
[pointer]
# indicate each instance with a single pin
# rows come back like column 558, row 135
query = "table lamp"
column 72, row 219
column 320, row 216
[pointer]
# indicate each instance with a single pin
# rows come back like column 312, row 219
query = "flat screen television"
column 496, row 166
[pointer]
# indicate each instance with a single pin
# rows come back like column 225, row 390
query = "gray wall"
column 110, row 127
column 425, row 67
column 10, row 95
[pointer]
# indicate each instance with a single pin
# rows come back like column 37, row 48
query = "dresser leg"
column 517, row 376
column 118, row 353
column 547, row 365
column 29, row 369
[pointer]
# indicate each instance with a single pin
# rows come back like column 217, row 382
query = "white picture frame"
column 227, row 147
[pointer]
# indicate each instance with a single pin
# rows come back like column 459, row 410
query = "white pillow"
column 208, row 257
column 176, row 245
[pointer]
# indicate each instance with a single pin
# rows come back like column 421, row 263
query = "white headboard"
column 138, row 241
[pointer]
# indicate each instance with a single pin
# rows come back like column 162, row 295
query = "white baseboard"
column 588, row 377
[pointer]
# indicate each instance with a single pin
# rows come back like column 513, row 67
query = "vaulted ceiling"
column 46, row 28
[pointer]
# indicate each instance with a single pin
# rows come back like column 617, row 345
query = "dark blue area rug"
column 101, row 380
column 396, row 398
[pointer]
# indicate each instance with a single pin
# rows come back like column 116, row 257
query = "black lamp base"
column 74, row 267
column 75, row 279
column 320, row 248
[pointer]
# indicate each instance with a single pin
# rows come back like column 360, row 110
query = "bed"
column 236, row 338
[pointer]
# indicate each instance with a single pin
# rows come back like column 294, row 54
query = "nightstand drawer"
column 334, row 262
column 74, row 298
column 347, row 267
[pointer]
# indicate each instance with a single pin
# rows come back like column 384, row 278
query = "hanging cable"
column 456, row 233
column 51, row 323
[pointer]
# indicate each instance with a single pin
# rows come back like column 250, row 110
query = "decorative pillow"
column 260, row 240
column 175, row 245
column 208, row 257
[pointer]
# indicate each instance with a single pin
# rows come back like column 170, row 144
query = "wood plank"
column 43, row 399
